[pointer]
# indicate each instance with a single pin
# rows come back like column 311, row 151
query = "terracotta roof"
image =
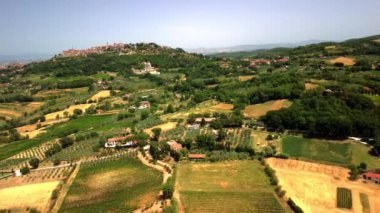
column 372, row 175
column 118, row 139
column 197, row 156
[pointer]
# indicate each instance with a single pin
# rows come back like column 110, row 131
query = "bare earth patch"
column 223, row 106
column 164, row 127
column 313, row 186
column 101, row 94
column 310, row 86
column 345, row 60
column 245, row 77
column 32, row 195
column 70, row 110
column 258, row 110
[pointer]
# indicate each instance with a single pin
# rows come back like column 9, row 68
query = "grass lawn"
column 337, row 152
column 237, row 186
column 318, row 150
column 113, row 186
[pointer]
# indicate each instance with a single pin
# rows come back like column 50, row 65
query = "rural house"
column 174, row 146
column 144, row 105
column 375, row 177
column 120, row 142
column 197, row 156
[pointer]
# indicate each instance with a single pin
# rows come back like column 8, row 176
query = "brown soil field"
column 345, row 60
column 246, row 77
column 223, row 106
column 51, row 92
column 17, row 109
column 36, row 196
column 310, row 86
column 164, row 127
column 32, row 127
column 70, row 110
column 101, row 94
column 258, row 110
column 313, row 186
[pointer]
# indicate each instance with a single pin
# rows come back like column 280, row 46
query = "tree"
column 24, row 170
column 34, row 163
column 206, row 141
column 156, row 134
column 144, row 114
column 170, row 109
column 222, row 134
column 78, row 111
column 42, row 118
column 66, row 142
column 167, row 190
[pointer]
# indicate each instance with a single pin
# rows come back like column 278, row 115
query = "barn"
column 375, row 177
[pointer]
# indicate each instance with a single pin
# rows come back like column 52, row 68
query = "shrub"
column 66, row 142
column 294, row 206
column 56, row 162
column 24, row 170
column 34, row 163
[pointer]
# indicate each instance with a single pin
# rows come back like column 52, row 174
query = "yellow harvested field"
column 101, row 94
column 310, row 86
column 164, row 127
column 313, row 186
column 10, row 113
column 245, row 77
column 345, row 60
column 33, row 196
column 70, row 110
column 17, row 109
column 34, row 133
column 258, row 110
column 377, row 40
column 223, row 106
column 331, row 47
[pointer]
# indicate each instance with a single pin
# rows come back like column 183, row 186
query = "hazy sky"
column 50, row 26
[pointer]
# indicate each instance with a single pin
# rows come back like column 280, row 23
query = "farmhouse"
column 255, row 62
column 174, row 146
column 119, row 142
column 144, row 105
column 148, row 68
column 197, row 156
column 207, row 120
column 375, row 177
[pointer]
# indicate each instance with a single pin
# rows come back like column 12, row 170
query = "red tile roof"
column 118, row 139
column 372, row 175
column 197, row 156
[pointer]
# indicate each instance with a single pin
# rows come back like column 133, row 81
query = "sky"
column 50, row 26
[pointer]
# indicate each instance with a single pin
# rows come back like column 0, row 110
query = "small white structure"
column 148, row 68
column 18, row 173
column 111, row 144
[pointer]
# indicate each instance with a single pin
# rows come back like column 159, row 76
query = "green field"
column 365, row 203
column 341, row 153
column 85, row 123
column 112, row 186
column 238, row 186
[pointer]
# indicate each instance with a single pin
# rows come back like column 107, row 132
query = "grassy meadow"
column 335, row 152
column 238, row 186
column 113, row 186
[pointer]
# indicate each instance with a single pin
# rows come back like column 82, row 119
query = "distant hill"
column 249, row 47
column 23, row 58
column 367, row 45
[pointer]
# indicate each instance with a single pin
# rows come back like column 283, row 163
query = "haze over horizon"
column 48, row 27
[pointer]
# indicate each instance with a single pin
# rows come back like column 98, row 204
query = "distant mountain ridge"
column 250, row 47
column 23, row 58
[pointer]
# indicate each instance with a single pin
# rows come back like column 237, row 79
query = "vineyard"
column 230, row 202
column 148, row 123
column 226, row 193
column 117, row 184
column 365, row 203
column 37, row 176
column 240, row 137
column 35, row 152
column 344, row 198
column 78, row 150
